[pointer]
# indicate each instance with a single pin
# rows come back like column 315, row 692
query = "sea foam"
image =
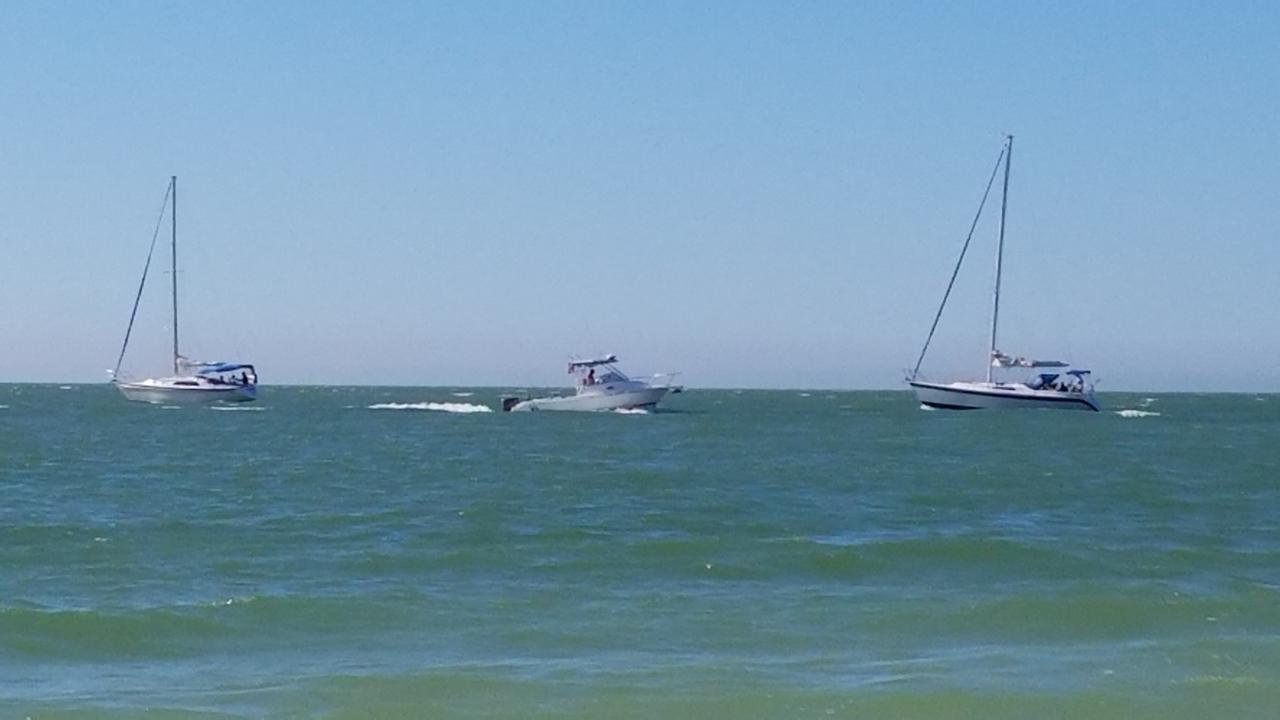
column 438, row 407
column 1137, row 413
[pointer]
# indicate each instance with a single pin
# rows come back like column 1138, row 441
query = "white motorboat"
column 609, row 389
column 192, row 382
column 1055, row 384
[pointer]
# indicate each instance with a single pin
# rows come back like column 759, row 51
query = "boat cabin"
column 597, row 371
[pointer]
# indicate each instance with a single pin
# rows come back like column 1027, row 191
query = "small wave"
column 631, row 411
column 237, row 408
column 4, row 407
column 1137, row 413
column 462, row 394
column 438, row 407
column 170, row 407
column 806, row 395
column 64, row 387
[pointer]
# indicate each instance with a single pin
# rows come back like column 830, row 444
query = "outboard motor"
column 508, row 402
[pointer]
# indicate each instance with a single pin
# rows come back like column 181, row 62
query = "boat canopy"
column 606, row 360
column 1000, row 360
column 201, row 367
column 222, row 367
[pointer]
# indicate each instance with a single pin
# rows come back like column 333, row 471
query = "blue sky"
column 756, row 194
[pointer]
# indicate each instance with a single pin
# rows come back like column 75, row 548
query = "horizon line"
column 686, row 388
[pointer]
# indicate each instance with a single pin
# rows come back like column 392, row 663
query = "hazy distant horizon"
column 264, row 387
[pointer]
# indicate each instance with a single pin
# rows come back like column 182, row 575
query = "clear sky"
column 756, row 194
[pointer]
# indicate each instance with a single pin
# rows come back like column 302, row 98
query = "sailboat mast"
column 1004, row 204
column 173, row 246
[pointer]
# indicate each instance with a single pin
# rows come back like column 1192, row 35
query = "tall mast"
column 1000, row 255
column 173, row 183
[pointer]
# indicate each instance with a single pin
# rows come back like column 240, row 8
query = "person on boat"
column 244, row 378
column 591, row 377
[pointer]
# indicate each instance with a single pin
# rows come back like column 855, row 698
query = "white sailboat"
column 192, row 382
column 609, row 390
column 1055, row 384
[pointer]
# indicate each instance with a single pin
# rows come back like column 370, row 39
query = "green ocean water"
column 378, row 553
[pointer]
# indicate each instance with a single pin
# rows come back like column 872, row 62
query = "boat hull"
column 996, row 396
column 162, row 395
column 595, row 402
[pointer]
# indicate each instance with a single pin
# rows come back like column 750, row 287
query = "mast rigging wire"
column 142, row 283
column 973, row 226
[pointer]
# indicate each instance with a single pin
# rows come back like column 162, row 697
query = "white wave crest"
column 438, row 407
column 1136, row 413
column 631, row 411
column 238, row 408
column 462, row 394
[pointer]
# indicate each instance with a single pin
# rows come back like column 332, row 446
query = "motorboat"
column 599, row 385
column 193, row 382
column 1053, row 384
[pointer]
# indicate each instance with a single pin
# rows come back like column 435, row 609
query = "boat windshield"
column 596, row 374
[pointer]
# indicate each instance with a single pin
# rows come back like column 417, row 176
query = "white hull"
column 594, row 402
column 999, row 396
column 162, row 394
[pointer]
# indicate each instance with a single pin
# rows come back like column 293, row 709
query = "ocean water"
column 400, row 553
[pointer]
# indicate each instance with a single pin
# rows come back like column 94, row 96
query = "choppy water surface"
column 399, row 552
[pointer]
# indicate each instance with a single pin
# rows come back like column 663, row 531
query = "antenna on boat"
column 1004, row 203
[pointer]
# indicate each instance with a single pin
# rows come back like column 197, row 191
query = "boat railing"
column 667, row 379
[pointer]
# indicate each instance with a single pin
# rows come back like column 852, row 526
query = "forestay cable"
column 143, row 283
column 956, row 271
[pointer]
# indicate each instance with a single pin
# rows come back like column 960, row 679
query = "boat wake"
column 631, row 411
column 436, row 406
column 237, row 408
column 1137, row 413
